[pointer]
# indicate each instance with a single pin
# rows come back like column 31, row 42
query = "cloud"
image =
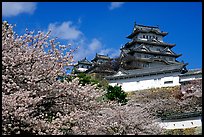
column 88, row 49
column 95, row 45
column 15, row 8
column 110, row 52
column 65, row 31
column 115, row 5
column 68, row 32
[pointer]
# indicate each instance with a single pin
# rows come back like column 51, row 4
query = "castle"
column 145, row 62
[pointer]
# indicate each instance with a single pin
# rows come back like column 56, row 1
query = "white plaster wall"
column 190, row 77
column 188, row 123
column 140, row 83
column 140, row 36
column 82, row 69
column 154, row 48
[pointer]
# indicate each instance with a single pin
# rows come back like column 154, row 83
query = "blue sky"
column 102, row 27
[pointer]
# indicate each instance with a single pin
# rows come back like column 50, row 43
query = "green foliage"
column 116, row 93
column 84, row 79
column 93, row 80
column 101, row 82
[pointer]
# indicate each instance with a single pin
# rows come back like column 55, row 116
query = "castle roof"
column 140, row 25
column 182, row 115
column 97, row 69
column 156, row 53
column 191, row 72
column 146, row 29
column 151, row 42
column 148, row 71
column 84, row 61
column 103, row 57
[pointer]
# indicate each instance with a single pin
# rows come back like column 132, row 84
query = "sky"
column 102, row 27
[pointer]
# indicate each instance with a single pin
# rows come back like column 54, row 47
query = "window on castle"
column 150, row 37
column 156, row 38
column 168, row 82
column 143, row 36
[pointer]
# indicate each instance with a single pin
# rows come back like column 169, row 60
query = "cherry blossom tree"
column 35, row 102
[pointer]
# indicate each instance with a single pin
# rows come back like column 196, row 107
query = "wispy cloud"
column 110, row 52
column 65, row 31
column 115, row 5
column 15, row 8
column 95, row 45
column 88, row 49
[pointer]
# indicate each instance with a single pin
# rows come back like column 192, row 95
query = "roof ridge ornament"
column 134, row 28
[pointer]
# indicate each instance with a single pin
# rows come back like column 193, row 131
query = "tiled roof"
column 146, row 26
column 151, row 70
column 102, row 56
column 146, row 31
column 157, row 53
column 84, row 61
column 149, row 42
column 98, row 56
column 192, row 72
column 182, row 116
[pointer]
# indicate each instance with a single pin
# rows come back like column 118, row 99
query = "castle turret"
column 82, row 66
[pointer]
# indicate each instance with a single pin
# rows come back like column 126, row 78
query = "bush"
column 116, row 93
column 84, row 79
column 93, row 80
column 102, row 82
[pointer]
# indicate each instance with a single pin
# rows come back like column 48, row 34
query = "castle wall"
column 148, row 36
column 147, row 82
column 181, row 124
column 190, row 77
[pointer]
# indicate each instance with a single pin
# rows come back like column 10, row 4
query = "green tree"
column 116, row 93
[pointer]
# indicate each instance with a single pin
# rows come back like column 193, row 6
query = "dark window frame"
column 168, row 82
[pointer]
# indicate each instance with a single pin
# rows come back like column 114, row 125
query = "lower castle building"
column 139, row 79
